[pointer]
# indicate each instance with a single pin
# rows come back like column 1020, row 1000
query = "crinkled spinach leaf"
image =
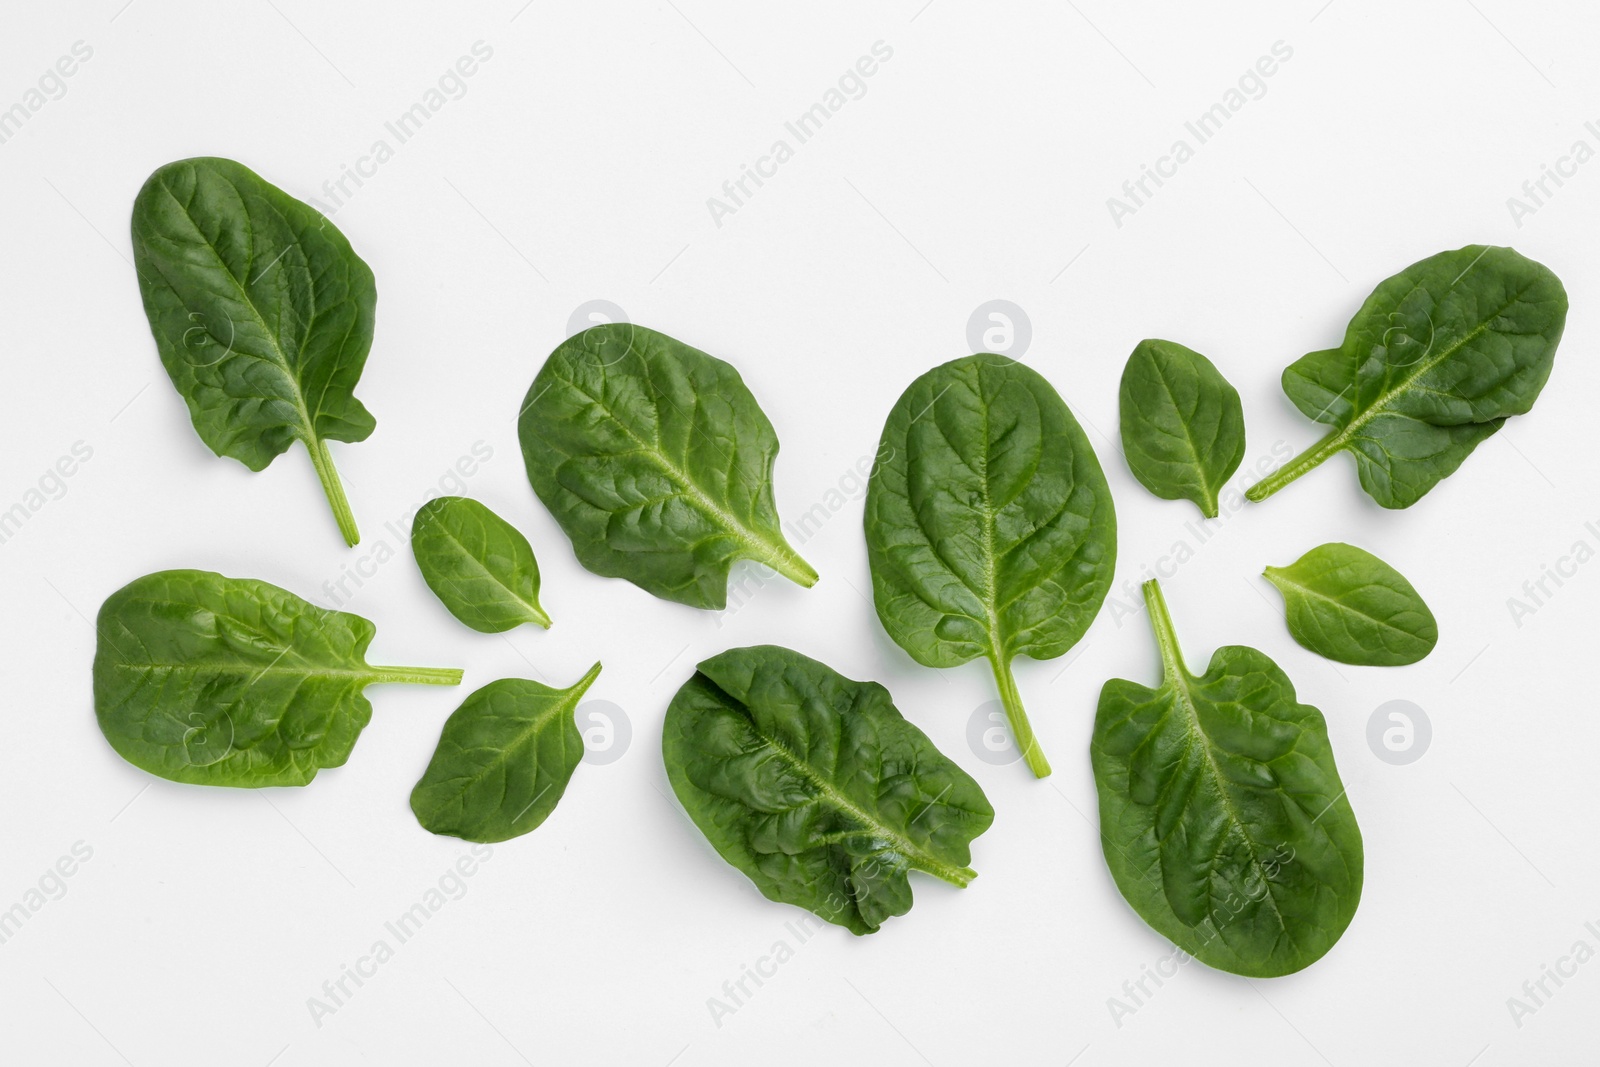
column 1348, row 605
column 1222, row 816
column 656, row 461
column 990, row 529
column 816, row 787
column 478, row 564
column 262, row 314
column 231, row 681
column 504, row 760
column 1182, row 423
column 1435, row 361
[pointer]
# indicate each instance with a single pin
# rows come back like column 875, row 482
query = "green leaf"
column 1348, row 605
column 815, row 787
column 1435, row 361
column 1182, row 424
column 261, row 312
column 478, row 564
column 231, row 681
column 1222, row 816
column 504, row 760
column 657, row 462
column 989, row 525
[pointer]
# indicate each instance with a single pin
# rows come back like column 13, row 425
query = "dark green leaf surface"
column 504, row 760
column 815, row 787
column 478, row 564
column 231, row 681
column 1222, row 816
column 1348, row 605
column 262, row 314
column 656, row 461
column 989, row 524
column 1435, row 361
column 1182, row 423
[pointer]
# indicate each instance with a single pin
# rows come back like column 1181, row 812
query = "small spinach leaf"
column 1182, row 423
column 478, row 564
column 815, row 787
column 262, row 314
column 990, row 529
column 1348, row 605
column 1222, row 816
column 230, row 681
column 1435, row 361
column 504, row 760
column 656, row 461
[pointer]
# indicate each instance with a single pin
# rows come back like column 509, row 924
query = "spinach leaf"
column 1182, row 424
column 815, row 787
column 1435, row 361
column 504, row 760
column 231, row 681
column 1222, row 816
column 656, row 461
column 478, row 564
column 1348, row 605
column 989, row 524
column 261, row 312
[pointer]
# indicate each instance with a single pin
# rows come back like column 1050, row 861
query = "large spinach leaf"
column 1435, row 361
column 478, row 564
column 1222, row 816
column 231, row 681
column 656, row 461
column 990, row 529
column 1348, row 605
column 1182, row 423
column 815, row 787
column 504, row 760
column 261, row 312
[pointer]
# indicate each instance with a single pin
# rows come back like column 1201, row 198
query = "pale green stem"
column 1021, row 729
column 322, row 460
column 1302, row 463
column 416, row 675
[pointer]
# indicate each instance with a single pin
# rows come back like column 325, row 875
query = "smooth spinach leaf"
column 478, row 564
column 990, row 529
column 656, row 461
column 1182, row 423
column 1435, row 361
column 504, row 760
column 1348, row 605
column 1222, row 816
column 262, row 314
column 230, row 681
column 816, row 787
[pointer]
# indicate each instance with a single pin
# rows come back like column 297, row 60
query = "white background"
column 977, row 165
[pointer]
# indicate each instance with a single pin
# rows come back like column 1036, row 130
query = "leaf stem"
column 416, row 675
column 1166, row 636
column 1302, row 463
column 787, row 562
column 1021, row 729
column 322, row 460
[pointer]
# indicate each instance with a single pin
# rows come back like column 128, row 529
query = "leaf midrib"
column 919, row 857
column 1282, row 576
column 1381, row 404
column 533, row 611
column 764, row 549
column 307, row 431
